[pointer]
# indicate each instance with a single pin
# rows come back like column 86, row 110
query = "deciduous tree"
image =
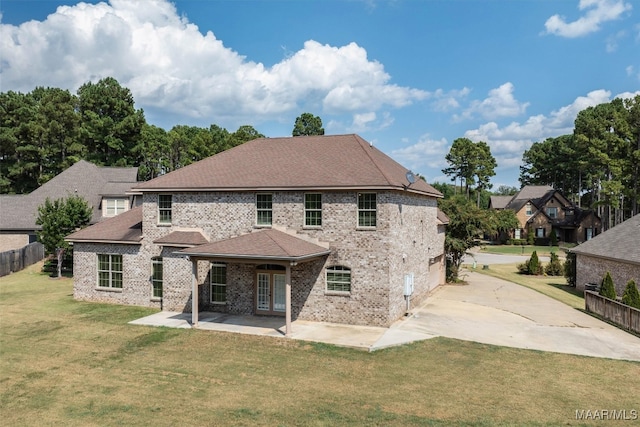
column 307, row 124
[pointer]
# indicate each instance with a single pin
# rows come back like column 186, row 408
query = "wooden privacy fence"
column 622, row 315
column 16, row 260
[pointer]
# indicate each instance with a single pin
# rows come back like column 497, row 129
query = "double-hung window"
column 156, row 277
column 366, row 209
column 338, row 279
column 529, row 210
column 165, row 205
column 540, row 232
column 110, row 271
column 313, row 210
column 218, row 280
column 264, row 209
column 552, row 212
column 114, row 206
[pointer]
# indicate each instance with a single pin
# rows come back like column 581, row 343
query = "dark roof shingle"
column 305, row 162
column 123, row 228
column 618, row 243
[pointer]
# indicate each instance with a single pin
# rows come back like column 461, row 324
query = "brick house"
column 540, row 209
column 617, row 251
column 104, row 188
column 322, row 228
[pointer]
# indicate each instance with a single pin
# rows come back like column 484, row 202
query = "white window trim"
column 156, row 260
column 110, row 288
column 117, row 210
column 305, row 225
column 212, row 284
column 263, row 210
column 337, row 268
column 160, row 222
column 366, row 227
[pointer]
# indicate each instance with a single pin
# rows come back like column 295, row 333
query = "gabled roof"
column 619, row 243
column 268, row 244
column 441, row 217
column 19, row 212
column 500, row 202
column 303, row 163
column 123, row 228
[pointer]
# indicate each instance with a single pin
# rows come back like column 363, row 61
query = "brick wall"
column 592, row 270
column 406, row 240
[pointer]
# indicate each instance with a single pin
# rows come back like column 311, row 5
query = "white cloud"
column 427, row 152
column 447, row 101
column 509, row 142
column 499, row 103
column 171, row 66
column 595, row 12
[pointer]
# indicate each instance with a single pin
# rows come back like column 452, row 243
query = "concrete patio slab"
column 487, row 310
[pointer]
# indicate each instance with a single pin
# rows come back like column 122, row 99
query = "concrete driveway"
column 487, row 310
column 494, row 311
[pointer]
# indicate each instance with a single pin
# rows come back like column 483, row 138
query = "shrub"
column 531, row 266
column 570, row 269
column 555, row 267
column 553, row 238
column 607, row 289
column 530, row 238
column 631, row 296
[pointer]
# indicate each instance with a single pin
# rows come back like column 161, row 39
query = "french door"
column 270, row 293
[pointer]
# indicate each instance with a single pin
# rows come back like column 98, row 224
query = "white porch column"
column 194, row 293
column 287, row 300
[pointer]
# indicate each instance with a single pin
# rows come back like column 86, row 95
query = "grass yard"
column 70, row 363
column 521, row 250
column 553, row 286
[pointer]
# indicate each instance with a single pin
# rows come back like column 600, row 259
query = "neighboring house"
column 617, row 251
column 104, row 188
column 540, row 210
column 322, row 228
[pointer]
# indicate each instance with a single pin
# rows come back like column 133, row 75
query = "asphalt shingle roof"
column 264, row 244
column 182, row 239
column 19, row 212
column 621, row 243
column 305, row 162
column 123, row 228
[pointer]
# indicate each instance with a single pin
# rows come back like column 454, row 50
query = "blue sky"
column 410, row 76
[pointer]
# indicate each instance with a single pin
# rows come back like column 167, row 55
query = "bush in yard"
column 570, row 269
column 533, row 266
column 607, row 289
column 554, row 239
column 531, row 238
column 631, row 296
column 554, row 268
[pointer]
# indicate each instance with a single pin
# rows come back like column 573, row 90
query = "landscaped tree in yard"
column 58, row 219
column 466, row 224
column 555, row 267
column 607, row 289
column 532, row 266
column 307, row 124
column 631, row 296
column 570, row 269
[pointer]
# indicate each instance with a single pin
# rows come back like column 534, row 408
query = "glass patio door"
column 270, row 293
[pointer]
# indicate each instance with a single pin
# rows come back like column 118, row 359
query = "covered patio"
column 269, row 247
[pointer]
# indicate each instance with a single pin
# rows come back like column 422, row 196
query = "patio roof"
column 268, row 244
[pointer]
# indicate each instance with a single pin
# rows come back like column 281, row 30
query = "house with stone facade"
column 616, row 250
column 321, row 228
column 104, row 189
column 541, row 210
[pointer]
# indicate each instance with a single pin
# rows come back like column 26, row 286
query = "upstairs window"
column 264, row 209
column 165, row 202
column 114, row 206
column 313, row 210
column 529, row 211
column 338, row 279
column 366, row 209
column 218, row 283
column 110, row 271
column 552, row 212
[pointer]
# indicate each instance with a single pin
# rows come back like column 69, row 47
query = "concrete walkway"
column 487, row 310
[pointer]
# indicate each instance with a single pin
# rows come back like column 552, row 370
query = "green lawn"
column 521, row 250
column 70, row 363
